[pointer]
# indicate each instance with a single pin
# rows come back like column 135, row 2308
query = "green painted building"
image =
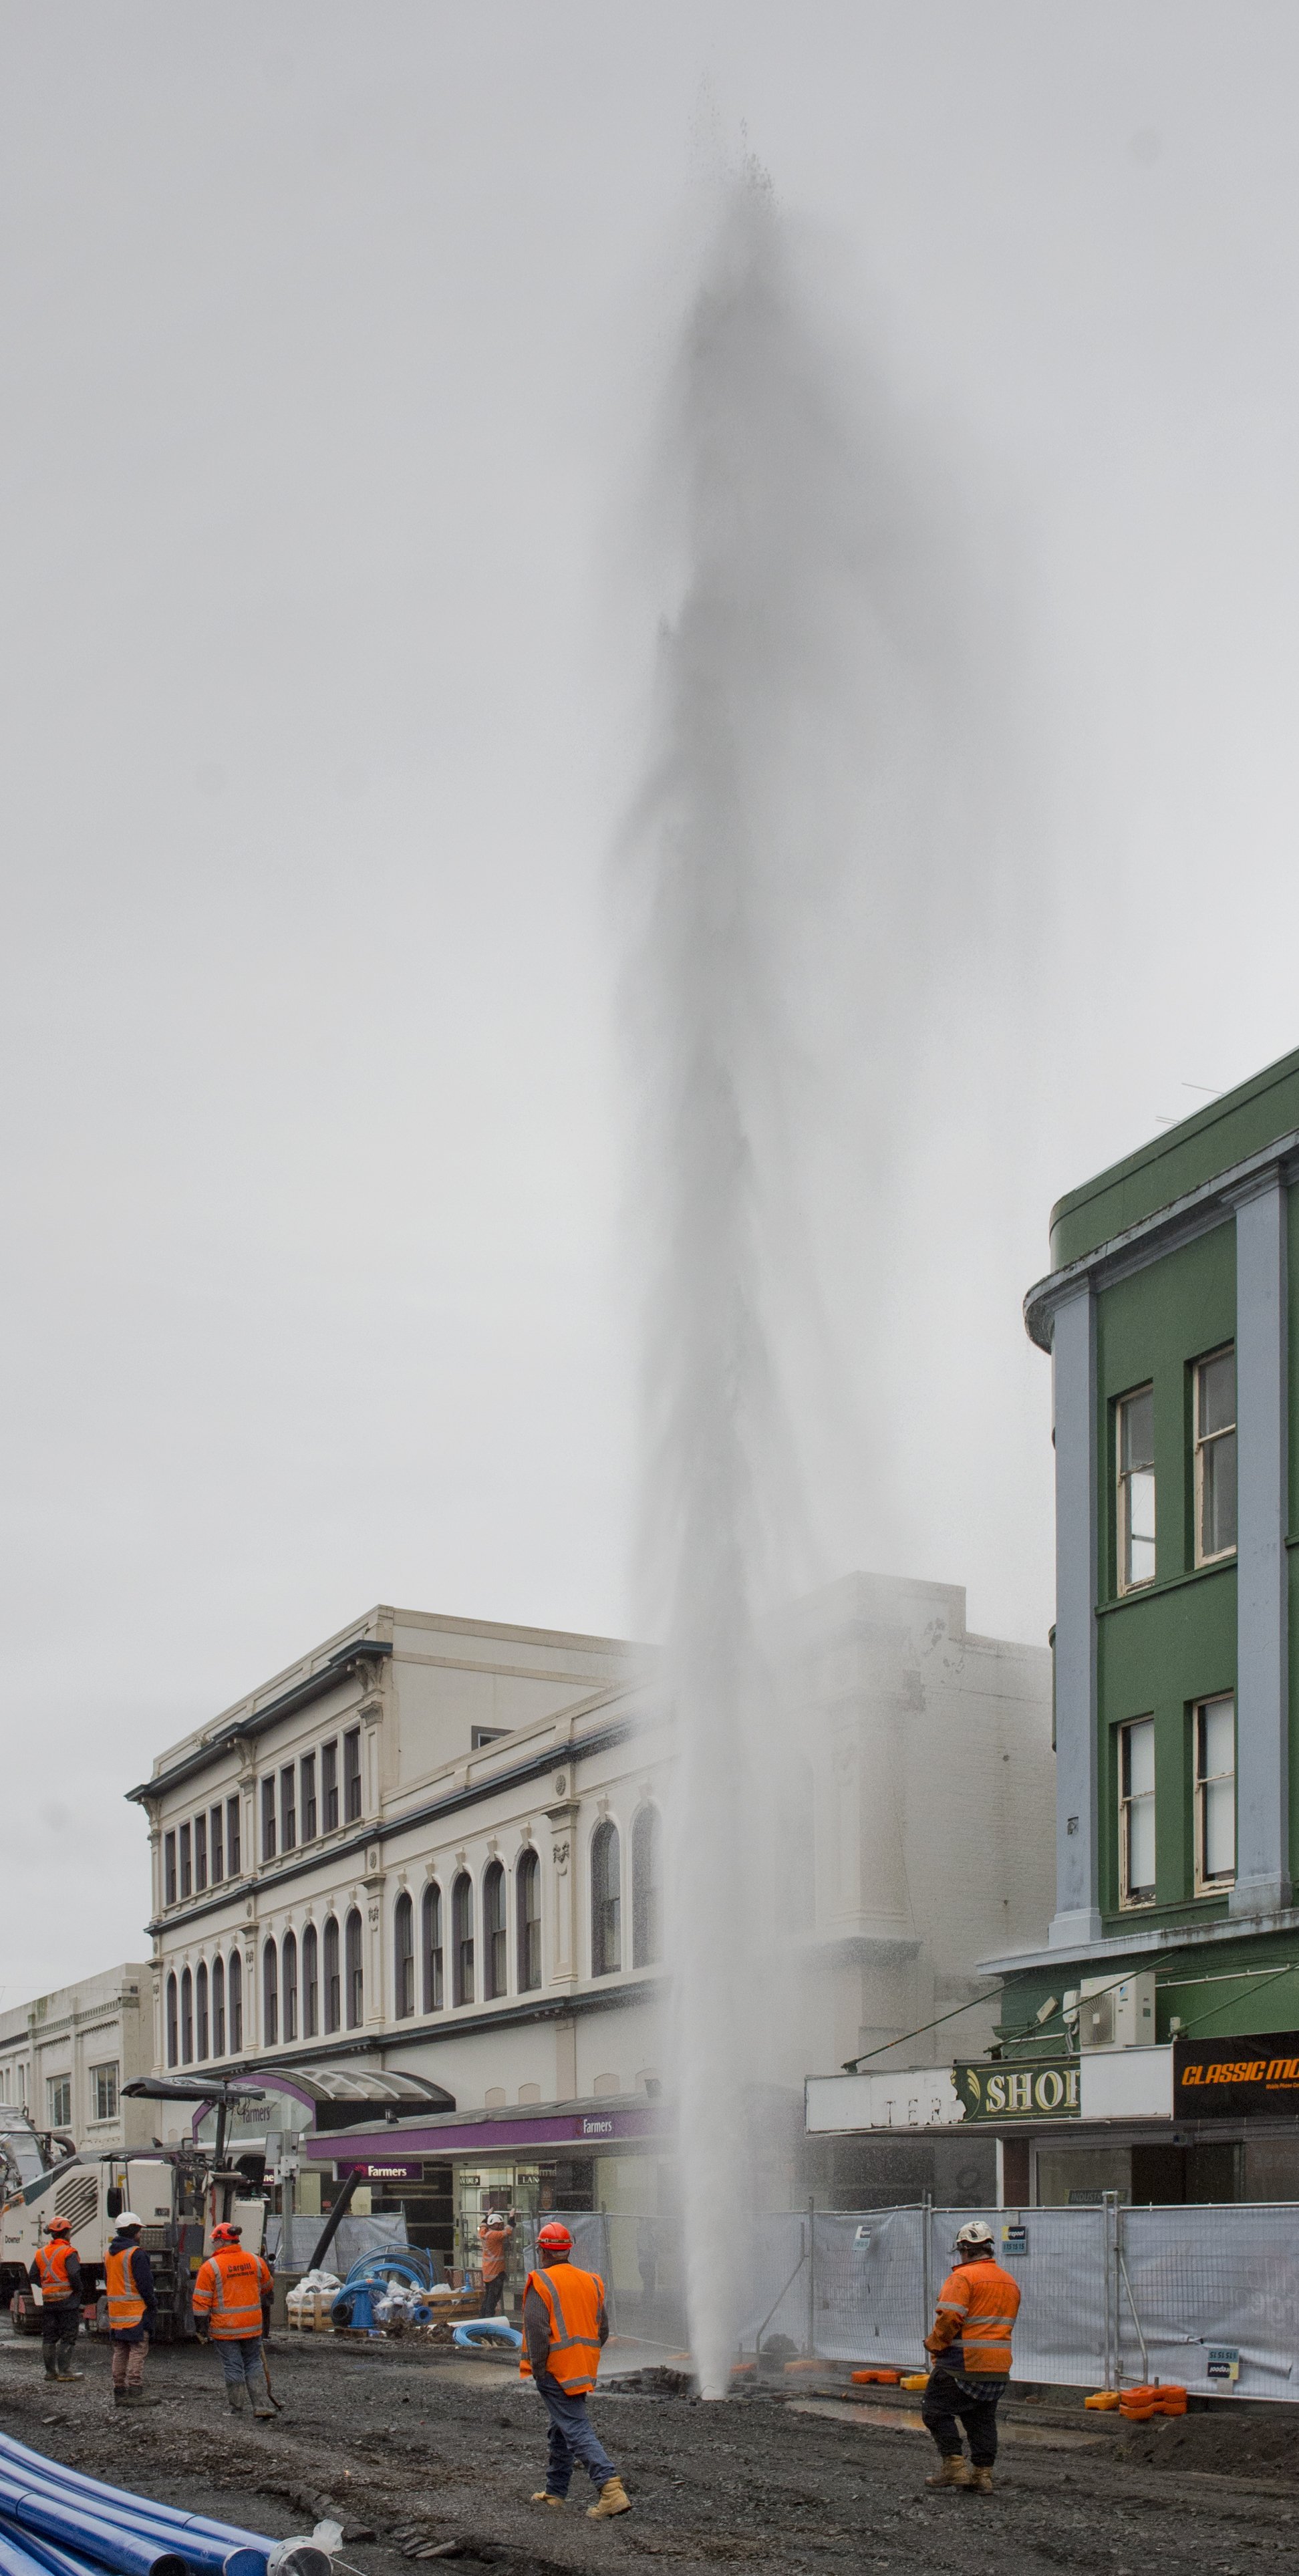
column 1171, row 1316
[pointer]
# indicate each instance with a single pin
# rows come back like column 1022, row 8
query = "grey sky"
column 329, row 336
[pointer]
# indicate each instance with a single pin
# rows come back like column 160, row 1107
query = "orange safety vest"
column 494, row 2243
column 985, row 2302
column 125, row 2305
column 52, row 2264
column 229, row 2290
column 576, row 2303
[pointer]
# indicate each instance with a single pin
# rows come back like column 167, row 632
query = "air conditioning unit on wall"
column 1117, row 2013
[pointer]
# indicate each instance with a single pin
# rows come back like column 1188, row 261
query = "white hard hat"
column 127, row 2218
column 975, row 2232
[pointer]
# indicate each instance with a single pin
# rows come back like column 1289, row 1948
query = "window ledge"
column 1170, row 1583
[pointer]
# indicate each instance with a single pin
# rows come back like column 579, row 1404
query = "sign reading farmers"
column 1219, row 2079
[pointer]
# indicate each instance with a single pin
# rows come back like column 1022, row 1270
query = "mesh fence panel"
column 1060, row 2332
column 868, row 2289
column 1225, row 2275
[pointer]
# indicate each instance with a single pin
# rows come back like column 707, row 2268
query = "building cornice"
column 1212, row 1203
column 339, row 1668
column 1151, row 1939
column 386, row 1829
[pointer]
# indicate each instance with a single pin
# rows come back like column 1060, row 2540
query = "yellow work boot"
column 613, row 2498
column 954, row 2471
column 544, row 2496
column 981, row 2481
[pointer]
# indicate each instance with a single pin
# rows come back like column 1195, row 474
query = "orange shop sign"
column 1217, row 2079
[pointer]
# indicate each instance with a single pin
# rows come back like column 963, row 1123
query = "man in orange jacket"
column 977, row 2307
column 57, row 2274
column 564, row 2326
column 227, row 2304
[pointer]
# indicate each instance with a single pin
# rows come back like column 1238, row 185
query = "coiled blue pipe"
column 73, row 2524
column 16, row 2460
column 479, row 2330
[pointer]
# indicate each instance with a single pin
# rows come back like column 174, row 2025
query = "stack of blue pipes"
column 55, row 2522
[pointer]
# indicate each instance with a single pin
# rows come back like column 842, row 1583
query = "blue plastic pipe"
column 17, row 2460
column 18, row 2558
column 65, row 2520
column 137, row 2518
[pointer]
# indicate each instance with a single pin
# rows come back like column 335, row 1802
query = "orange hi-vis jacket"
column 125, row 2305
column 977, row 2307
column 229, row 2291
column 576, row 2304
column 52, row 2264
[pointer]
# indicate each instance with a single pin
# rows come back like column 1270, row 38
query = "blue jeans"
column 241, row 2361
column 572, row 2437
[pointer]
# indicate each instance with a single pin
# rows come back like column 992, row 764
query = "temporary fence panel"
column 589, row 2229
column 866, row 2287
column 1064, row 2328
column 1210, row 2297
column 291, row 2242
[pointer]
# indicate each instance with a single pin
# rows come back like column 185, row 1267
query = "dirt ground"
column 413, row 2452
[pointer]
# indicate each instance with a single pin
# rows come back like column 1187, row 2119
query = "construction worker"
column 227, row 2305
column 977, row 2307
column 564, row 2325
column 56, row 2273
column 495, row 2237
column 132, row 2310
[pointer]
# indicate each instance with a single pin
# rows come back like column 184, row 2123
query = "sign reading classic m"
column 1218, row 2079
column 1019, row 2092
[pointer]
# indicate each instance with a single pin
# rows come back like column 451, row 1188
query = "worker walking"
column 56, row 2273
column 132, row 2310
column 564, row 2326
column 977, row 2307
column 495, row 2236
column 227, row 2305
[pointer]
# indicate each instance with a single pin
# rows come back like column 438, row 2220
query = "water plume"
column 797, row 782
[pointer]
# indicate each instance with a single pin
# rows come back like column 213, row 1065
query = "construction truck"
column 179, row 2193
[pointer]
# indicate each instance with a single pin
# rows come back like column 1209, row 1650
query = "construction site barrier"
column 1205, row 2296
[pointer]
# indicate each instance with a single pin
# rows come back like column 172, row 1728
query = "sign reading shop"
column 1018, row 2092
column 1219, row 2079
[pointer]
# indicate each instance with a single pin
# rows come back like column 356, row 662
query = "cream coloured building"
column 430, row 1854
column 65, row 2056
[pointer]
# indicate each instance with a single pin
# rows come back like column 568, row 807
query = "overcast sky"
column 329, row 335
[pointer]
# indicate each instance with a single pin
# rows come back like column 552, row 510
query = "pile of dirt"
column 1234, row 2441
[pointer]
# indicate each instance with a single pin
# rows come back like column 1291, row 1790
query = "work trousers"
column 974, row 2401
column 60, row 2324
column 128, row 2360
column 572, row 2437
column 241, row 2363
column 493, row 2294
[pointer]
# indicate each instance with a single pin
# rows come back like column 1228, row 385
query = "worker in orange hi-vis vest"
column 977, row 2307
column 495, row 2237
column 132, row 2310
column 56, row 2273
column 564, row 2326
column 227, row 2305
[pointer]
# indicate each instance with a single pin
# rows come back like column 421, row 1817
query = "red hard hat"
column 554, row 2238
column 225, row 2234
column 59, row 2226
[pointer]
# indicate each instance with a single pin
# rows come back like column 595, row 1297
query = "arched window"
column 496, row 1973
column 310, row 1982
column 800, row 1848
column 403, row 1955
column 289, row 1979
column 186, row 2018
column 173, row 2024
column 647, row 1888
column 270, row 1995
column 355, row 1976
column 333, row 1982
column 200, row 2000
column 218, row 2008
column 527, row 1900
column 462, row 1939
column 434, row 1987
column 606, row 1901
column 235, row 1991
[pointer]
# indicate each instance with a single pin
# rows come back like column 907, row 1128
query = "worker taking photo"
column 564, row 2326
column 56, row 2273
column 495, row 2237
column 977, row 2307
column 227, row 2306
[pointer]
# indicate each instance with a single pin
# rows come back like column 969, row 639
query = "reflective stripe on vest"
column 229, row 2290
column 986, row 2299
column 125, row 2305
column 574, row 2300
column 52, row 2264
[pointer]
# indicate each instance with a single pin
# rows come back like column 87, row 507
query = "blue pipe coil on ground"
column 72, row 2525
column 477, row 2330
column 140, row 2517
column 16, row 2456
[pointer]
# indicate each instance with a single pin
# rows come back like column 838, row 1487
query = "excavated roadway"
column 430, row 2455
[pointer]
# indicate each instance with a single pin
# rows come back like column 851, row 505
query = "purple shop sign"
column 452, row 2137
column 398, row 2169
